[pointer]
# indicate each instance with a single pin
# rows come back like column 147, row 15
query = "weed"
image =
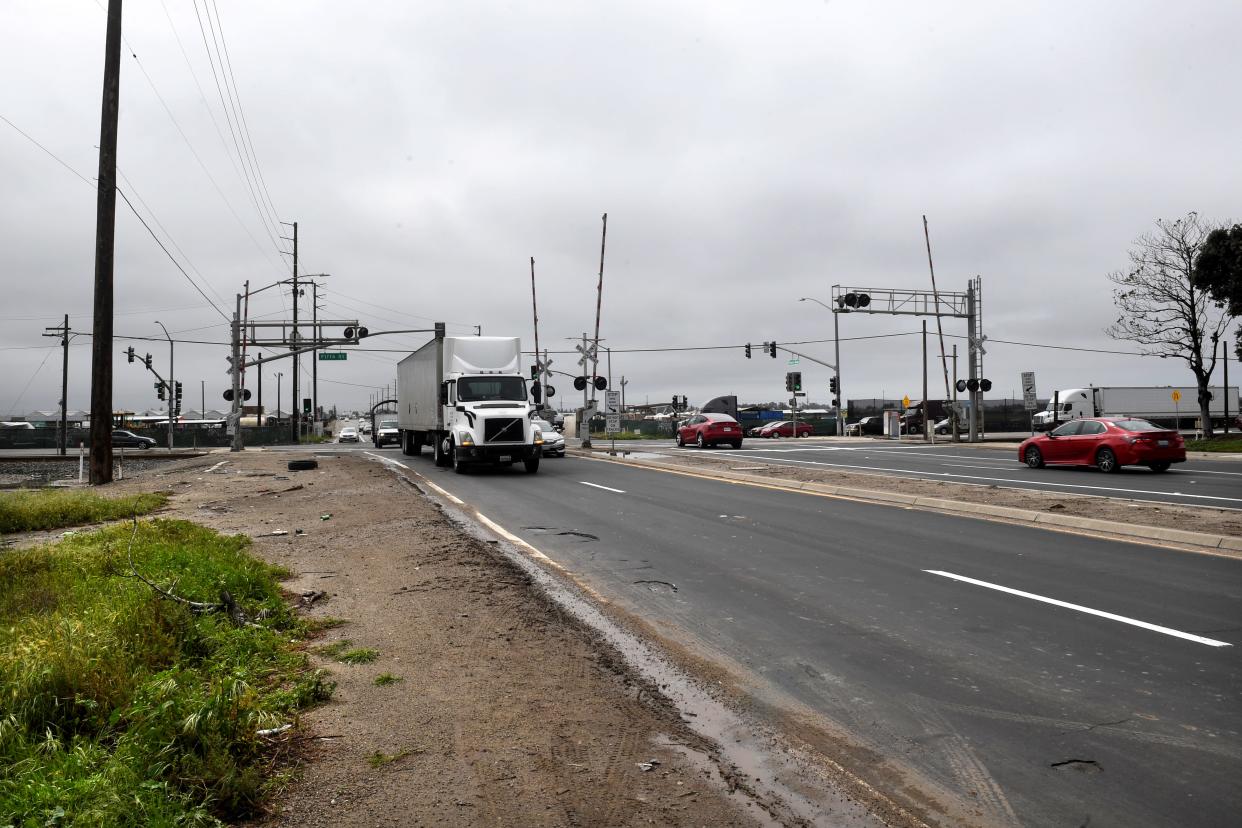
column 362, row 655
column 334, row 649
column 122, row 708
column 29, row 510
column 378, row 760
column 384, row 679
column 327, row 622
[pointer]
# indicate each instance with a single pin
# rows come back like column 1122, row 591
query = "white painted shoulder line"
column 605, row 488
column 1211, row 642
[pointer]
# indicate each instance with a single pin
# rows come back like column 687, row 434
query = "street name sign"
column 325, row 356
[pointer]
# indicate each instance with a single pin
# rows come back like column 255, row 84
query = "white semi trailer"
column 466, row 398
column 1147, row 403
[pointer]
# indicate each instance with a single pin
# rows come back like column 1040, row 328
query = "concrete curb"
column 1226, row 543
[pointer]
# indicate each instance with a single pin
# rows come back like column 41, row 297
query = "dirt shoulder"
column 503, row 712
column 1188, row 518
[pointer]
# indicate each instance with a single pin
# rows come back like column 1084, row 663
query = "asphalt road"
column 1216, row 483
column 1048, row 678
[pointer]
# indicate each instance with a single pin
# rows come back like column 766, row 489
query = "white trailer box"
column 467, row 399
column 1147, row 403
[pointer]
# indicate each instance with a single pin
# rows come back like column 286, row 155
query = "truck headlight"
column 538, row 437
column 465, row 438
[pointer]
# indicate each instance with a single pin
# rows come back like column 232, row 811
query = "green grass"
column 385, row 679
column 1218, row 443
column 121, row 708
column 341, row 651
column 28, row 510
column 378, row 760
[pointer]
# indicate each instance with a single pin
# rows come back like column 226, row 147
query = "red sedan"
column 1108, row 443
column 705, row 430
column 786, row 429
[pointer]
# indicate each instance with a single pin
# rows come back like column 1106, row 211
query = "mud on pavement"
column 493, row 709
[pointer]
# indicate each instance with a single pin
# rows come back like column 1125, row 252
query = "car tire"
column 700, row 442
column 303, row 465
column 737, row 444
column 1106, row 461
column 1033, row 457
column 1162, row 466
column 681, row 443
column 144, row 446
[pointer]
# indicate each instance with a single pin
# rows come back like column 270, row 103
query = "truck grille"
column 503, row 429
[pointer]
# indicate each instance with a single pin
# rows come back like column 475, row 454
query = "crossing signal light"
column 356, row 333
column 985, row 385
column 854, row 300
column 536, row 390
column 601, row 383
column 972, row 384
column 748, row 350
column 130, row 353
column 834, row 385
column 961, row 386
column 580, row 383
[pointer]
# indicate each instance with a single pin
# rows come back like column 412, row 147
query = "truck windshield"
column 475, row 389
column 388, row 423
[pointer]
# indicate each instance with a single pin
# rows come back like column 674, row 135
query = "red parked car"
column 706, row 430
column 1108, row 443
column 785, row 428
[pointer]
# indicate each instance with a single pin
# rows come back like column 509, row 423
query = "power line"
column 32, row 379
column 53, row 155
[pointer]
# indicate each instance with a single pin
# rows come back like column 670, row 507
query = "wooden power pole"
column 105, row 237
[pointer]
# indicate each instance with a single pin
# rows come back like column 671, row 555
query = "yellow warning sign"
column 905, row 401
column 1177, row 396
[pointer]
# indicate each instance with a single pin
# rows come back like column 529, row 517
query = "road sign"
column 1177, row 396
column 905, row 401
column 612, row 423
column 612, row 402
column 325, row 356
column 1028, row 391
column 795, row 361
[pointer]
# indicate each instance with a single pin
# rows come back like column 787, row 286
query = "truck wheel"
column 441, row 456
column 532, row 465
column 459, row 465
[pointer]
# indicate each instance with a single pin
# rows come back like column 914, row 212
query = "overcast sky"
column 747, row 155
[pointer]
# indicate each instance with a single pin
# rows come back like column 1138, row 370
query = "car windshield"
column 1137, row 425
column 543, row 425
column 475, row 389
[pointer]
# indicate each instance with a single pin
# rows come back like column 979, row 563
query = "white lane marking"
column 969, row 466
column 1211, row 642
column 216, row 466
column 1005, row 479
column 606, row 488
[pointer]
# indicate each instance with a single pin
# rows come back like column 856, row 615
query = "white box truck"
column 467, row 399
column 1146, row 403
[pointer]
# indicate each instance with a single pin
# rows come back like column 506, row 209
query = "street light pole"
column 171, row 385
column 836, row 360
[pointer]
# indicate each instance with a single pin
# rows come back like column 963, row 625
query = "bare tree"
column 1162, row 309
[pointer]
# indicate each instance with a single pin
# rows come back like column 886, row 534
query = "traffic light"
column 676, row 404
column 789, row 381
column 147, row 361
column 772, row 349
column 130, row 353
column 534, row 372
column 836, row 403
column 796, row 377
column 747, row 350
column 854, row 300
column 834, row 385
column 159, row 390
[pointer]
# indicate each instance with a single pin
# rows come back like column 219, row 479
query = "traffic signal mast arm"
column 327, row 343
column 804, row 356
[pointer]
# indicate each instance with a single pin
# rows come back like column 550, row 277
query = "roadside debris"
column 653, row 584
column 304, row 464
column 326, row 516
column 650, row 764
column 309, row 598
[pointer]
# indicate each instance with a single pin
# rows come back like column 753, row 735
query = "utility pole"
column 534, row 308
column 235, row 415
column 202, row 390
column 936, row 299
column 624, row 382
column 315, row 360
column 259, row 420
column 599, row 300
column 609, row 350
column 926, row 429
column 294, row 416
column 63, row 333
column 105, row 242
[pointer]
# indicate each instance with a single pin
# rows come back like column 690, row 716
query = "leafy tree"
column 1218, row 270
column 1163, row 309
